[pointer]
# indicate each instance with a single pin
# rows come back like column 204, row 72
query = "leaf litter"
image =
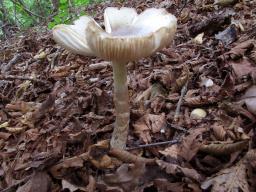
column 57, row 113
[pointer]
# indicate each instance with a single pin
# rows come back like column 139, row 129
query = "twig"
column 154, row 144
column 11, row 63
column 177, row 127
column 182, row 94
column 12, row 77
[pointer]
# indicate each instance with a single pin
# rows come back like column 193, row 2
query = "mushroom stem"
column 121, row 100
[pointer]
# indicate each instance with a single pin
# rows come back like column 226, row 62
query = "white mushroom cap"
column 72, row 37
column 128, row 36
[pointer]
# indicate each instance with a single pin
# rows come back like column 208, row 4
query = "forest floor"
column 57, row 113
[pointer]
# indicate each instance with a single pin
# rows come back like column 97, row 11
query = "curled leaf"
column 224, row 148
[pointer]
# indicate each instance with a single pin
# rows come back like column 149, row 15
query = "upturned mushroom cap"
column 72, row 37
column 128, row 36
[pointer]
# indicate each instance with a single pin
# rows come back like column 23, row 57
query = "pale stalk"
column 122, row 110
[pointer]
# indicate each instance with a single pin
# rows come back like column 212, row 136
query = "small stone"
column 207, row 82
column 93, row 80
column 198, row 114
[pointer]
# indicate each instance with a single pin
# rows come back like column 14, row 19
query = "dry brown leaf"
column 142, row 130
column 156, row 122
column 182, row 80
column 127, row 177
column 252, row 56
column 59, row 169
column 91, row 185
column 172, row 151
column 98, row 155
column 225, row 2
column 62, row 71
column 22, row 106
column 191, row 143
column 239, row 50
column 101, row 186
column 149, row 123
column 15, row 129
column 177, row 170
column 43, row 108
column 251, row 157
column 102, row 162
column 4, row 135
column 219, row 131
column 127, row 157
column 232, row 179
column 236, row 108
column 242, row 67
column 164, row 185
column 200, row 100
column 224, row 148
column 71, row 187
column 39, row 182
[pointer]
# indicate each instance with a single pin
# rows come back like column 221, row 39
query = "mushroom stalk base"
column 121, row 100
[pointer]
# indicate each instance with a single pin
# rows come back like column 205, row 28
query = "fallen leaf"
column 15, row 129
column 156, row 122
column 126, row 177
column 191, row 143
column 242, row 67
column 4, row 135
column 39, row 182
column 40, row 55
column 149, row 123
column 22, row 89
column 164, row 185
column 3, row 125
column 172, row 151
column 224, row 148
column 232, row 179
column 98, row 155
column 225, row 3
column 239, row 50
column 219, row 131
column 251, row 157
column 70, row 186
column 61, row 168
column 142, row 130
column 91, row 185
column 177, row 170
column 198, row 39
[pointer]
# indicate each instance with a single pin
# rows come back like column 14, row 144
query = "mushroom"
column 127, row 37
